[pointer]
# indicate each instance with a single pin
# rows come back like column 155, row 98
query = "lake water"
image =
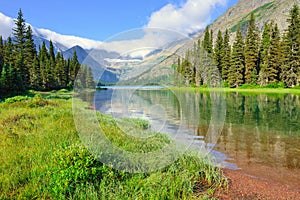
column 258, row 134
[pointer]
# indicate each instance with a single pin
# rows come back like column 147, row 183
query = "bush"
column 75, row 167
column 275, row 85
column 248, row 86
column 17, row 99
column 38, row 101
column 63, row 91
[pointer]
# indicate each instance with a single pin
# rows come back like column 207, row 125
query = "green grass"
column 242, row 90
column 42, row 157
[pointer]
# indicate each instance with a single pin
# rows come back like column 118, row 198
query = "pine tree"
column 30, row 59
column 19, row 33
column 251, row 52
column 9, row 58
column 1, row 53
column 275, row 55
column 179, row 72
column 292, row 40
column 197, row 64
column 35, row 74
column 263, row 77
column 207, row 41
column 90, row 83
column 226, row 61
column 43, row 59
column 51, row 52
column 188, row 70
column 237, row 67
column 211, row 47
column 284, row 68
column 30, row 48
column 219, row 51
column 74, row 67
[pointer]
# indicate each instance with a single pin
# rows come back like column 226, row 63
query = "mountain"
column 264, row 11
column 81, row 53
column 239, row 14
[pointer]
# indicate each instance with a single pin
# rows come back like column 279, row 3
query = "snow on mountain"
column 63, row 42
column 67, row 40
column 6, row 24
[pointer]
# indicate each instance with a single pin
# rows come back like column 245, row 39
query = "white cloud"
column 67, row 40
column 153, row 38
column 192, row 16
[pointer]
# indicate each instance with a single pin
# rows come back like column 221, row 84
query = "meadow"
column 42, row 157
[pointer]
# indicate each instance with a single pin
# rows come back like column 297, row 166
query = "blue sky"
column 96, row 19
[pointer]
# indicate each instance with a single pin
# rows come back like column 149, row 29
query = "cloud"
column 150, row 40
column 190, row 17
column 67, row 40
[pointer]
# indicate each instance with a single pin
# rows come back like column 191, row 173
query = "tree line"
column 258, row 58
column 24, row 67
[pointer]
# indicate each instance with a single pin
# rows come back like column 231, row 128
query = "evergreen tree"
column 43, row 59
column 1, row 53
column 291, row 75
column 251, row 52
column 275, row 56
column 237, row 67
column 9, row 58
column 226, row 61
column 284, row 68
column 211, row 47
column 179, row 72
column 35, row 74
column 90, row 83
column 19, row 32
column 207, row 41
column 188, row 70
column 74, row 67
column 197, row 64
column 30, row 48
column 263, row 77
column 51, row 52
column 219, row 51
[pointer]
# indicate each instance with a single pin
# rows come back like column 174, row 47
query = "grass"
column 243, row 90
column 42, row 157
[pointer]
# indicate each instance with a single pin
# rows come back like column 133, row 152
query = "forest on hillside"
column 22, row 67
column 267, row 58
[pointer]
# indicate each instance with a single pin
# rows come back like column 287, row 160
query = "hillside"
column 264, row 11
column 239, row 14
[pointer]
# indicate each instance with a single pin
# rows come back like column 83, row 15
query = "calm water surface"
column 259, row 134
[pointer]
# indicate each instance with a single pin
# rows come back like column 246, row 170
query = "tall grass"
column 41, row 157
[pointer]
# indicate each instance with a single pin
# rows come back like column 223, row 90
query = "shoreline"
column 244, row 186
column 240, row 90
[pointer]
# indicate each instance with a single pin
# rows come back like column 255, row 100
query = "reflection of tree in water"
column 259, row 127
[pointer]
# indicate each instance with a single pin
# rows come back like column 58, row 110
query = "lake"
column 258, row 134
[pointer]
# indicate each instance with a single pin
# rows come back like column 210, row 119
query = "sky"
column 101, row 20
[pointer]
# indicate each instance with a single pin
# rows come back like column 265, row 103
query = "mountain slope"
column 264, row 11
column 239, row 14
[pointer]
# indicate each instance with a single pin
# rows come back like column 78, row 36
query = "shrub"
column 248, row 86
column 63, row 91
column 17, row 99
column 275, row 85
column 75, row 167
column 38, row 101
